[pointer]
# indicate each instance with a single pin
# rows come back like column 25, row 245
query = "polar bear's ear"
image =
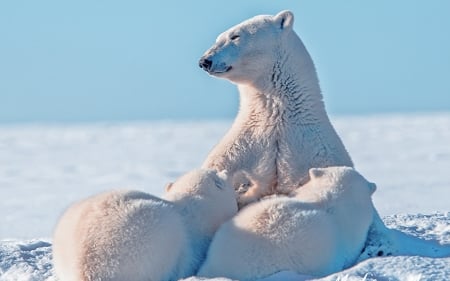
column 223, row 175
column 284, row 19
column 316, row 173
column 168, row 186
column 223, row 179
column 372, row 187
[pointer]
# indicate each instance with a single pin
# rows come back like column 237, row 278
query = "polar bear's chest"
column 293, row 149
column 280, row 156
column 262, row 148
column 295, row 153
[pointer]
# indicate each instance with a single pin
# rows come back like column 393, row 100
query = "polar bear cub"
column 321, row 230
column 131, row 235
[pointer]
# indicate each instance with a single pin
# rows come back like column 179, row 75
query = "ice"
column 46, row 167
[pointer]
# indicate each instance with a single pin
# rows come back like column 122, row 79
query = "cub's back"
column 119, row 235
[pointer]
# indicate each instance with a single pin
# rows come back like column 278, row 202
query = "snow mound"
column 26, row 260
column 429, row 227
column 400, row 268
column 32, row 260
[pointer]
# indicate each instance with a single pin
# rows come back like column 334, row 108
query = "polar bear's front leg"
column 253, row 194
column 253, row 191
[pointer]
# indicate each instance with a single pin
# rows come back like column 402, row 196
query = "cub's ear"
column 222, row 179
column 168, row 186
column 316, row 173
column 372, row 187
column 223, row 175
column 284, row 19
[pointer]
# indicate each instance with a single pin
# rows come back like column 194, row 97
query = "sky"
column 108, row 60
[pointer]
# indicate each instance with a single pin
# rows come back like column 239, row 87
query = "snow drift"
column 44, row 168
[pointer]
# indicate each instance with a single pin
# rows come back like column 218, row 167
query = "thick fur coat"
column 282, row 128
column 134, row 236
column 319, row 232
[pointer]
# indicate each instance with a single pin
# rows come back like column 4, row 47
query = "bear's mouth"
column 214, row 69
column 220, row 71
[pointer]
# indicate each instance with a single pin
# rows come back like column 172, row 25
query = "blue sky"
column 81, row 61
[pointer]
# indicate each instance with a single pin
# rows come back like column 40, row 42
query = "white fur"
column 282, row 128
column 131, row 235
column 320, row 231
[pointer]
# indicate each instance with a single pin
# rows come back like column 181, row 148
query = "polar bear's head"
column 337, row 184
column 201, row 183
column 241, row 53
column 205, row 196
column 343, row 194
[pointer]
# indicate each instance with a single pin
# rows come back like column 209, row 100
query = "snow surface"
column 44, row 168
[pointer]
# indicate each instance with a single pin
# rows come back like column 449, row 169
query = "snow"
column 45, row 167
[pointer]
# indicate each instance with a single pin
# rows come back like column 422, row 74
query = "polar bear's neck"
column 289, row 92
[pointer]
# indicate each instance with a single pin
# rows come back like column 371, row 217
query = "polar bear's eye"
column 235, row 37
column 219, row 183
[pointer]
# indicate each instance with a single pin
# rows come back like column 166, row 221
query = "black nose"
column 205, row 64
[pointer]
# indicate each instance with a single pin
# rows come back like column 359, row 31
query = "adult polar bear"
column 282, row 129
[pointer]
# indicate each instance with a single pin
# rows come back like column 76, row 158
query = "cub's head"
column 244, row 51
column 337, row 184
column 204, row 195
column 202, row 183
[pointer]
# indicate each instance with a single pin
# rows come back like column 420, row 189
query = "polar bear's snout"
column 213, row 65
column 205, row 64
column 219, row 58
